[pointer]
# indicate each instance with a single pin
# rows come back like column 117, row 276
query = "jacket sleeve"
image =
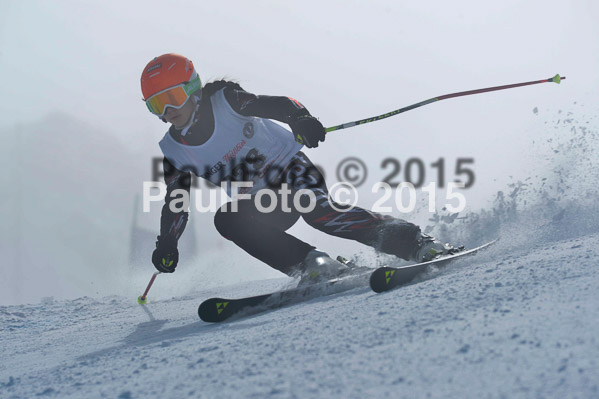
column 173, row 223
column 282, row 109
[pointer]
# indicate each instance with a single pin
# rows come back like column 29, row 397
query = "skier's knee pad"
column 231, row 220
column 224, row 223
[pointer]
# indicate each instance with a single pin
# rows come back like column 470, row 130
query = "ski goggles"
column 175, row 97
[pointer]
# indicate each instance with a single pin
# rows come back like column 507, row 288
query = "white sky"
column 345, row 60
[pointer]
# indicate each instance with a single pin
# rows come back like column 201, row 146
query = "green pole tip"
column 557, row 79
column 141, row 300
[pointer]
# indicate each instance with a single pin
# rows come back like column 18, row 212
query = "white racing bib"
column 242, row 148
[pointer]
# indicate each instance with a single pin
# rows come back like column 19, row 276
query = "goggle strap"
column 193, row 85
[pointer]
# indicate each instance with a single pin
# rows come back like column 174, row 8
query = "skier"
column 222, row 133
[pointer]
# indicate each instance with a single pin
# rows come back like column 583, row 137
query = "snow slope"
column 506, row 323
column 518, row 320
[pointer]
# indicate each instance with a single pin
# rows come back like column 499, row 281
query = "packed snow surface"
column 505, row 323
column 518, row 320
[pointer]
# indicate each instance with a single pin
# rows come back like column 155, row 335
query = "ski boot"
column 428, row 248
column 318, row 266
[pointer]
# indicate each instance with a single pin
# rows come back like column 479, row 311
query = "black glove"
column 307, row 130
column 166, row 256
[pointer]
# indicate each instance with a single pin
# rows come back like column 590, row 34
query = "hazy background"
column 78, row 140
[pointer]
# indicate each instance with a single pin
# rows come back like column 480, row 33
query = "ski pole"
column 142, row 300
column 556, row 79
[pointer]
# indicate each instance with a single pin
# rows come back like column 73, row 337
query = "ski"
column 215, row 310
column 387, row 278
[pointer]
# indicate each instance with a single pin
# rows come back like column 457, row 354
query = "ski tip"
column 380, row 278
column 557, row 79
column 214, row 310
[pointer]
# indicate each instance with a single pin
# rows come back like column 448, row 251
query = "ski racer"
column 222, row 133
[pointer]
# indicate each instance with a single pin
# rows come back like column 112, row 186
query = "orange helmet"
column 166, row 71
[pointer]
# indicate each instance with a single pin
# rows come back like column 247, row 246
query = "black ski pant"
column 262, row 234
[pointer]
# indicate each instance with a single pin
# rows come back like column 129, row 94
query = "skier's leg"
column 382, row 232
column 386, row 234
column 262, row 235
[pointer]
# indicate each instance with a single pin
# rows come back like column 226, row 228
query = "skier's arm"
column 172, row 223
column 306, row 129
column 282, row 109
column 166, row 255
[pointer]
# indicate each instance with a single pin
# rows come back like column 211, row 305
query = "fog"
column 79, row 142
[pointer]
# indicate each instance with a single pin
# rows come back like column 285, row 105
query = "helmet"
column 166, row 71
